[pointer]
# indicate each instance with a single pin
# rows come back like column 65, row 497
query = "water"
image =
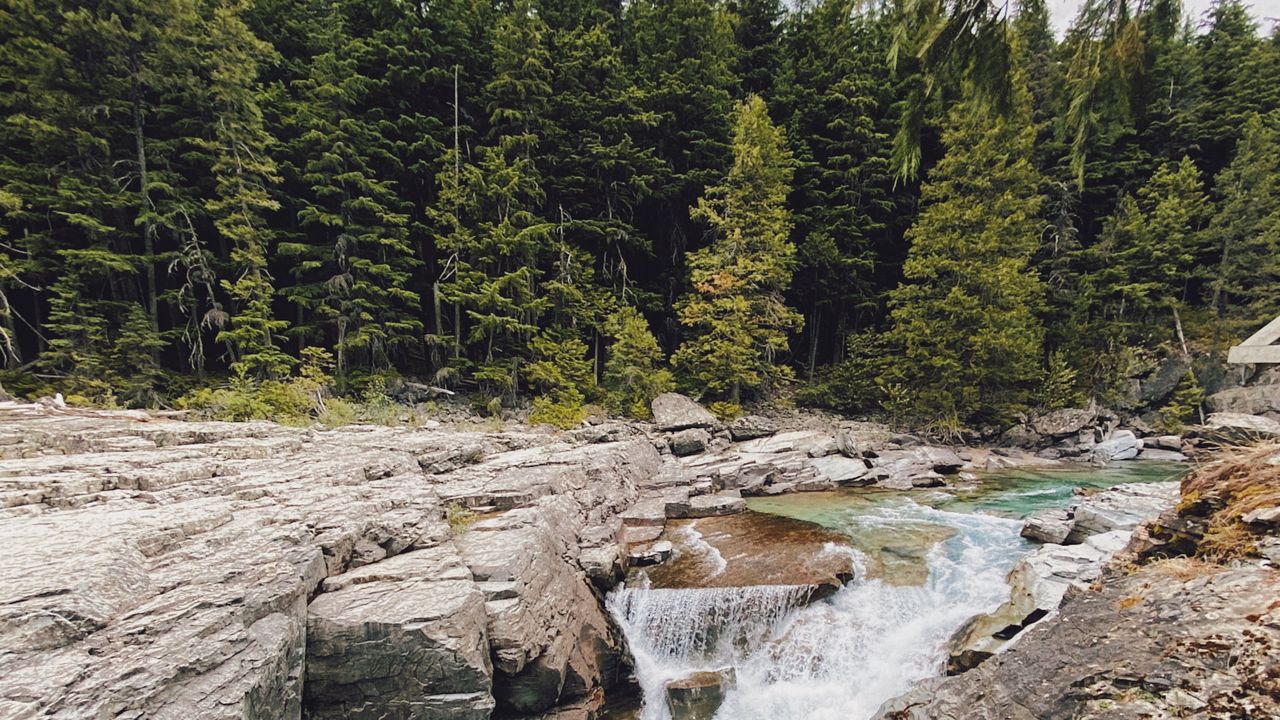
column 928, row 561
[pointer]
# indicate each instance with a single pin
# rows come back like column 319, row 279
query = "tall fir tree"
column 964, row 319
column 736, row 313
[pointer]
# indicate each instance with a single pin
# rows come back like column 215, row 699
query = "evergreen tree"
column 353, row 260
column 244, row 171
column 633, row 374
column 964, row 319
column 1245, row 232
column 736, row 313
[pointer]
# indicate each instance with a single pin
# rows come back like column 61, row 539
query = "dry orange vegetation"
column 1225, row 490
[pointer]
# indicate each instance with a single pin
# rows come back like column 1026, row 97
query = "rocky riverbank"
column 1184, row 622
column 161, row 568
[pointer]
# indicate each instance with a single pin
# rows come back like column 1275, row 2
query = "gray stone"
column 1239, row 428
column 689, row 442
column 1121, row 507
column 751, row 427
column 1122, row 445
column 843, row 470
column 1063, row 423
column 653, row 554
column 673, row 411
column 1251, row 400
column 706, row 506
column 1269, row 516
column 1158, row 455
column 1048, row 526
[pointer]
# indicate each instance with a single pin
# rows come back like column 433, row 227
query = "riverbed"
column 924, row 562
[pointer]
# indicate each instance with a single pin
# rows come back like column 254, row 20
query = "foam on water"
column 837, row 658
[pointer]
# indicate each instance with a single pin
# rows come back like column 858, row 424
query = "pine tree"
column 244, row 172
column 736, row 314
column 1150, row 256
column 633, row 374
column 964, row 318
column 1245, row 232
column 353, row 260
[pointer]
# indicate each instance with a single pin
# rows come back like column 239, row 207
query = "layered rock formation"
column 163, row 569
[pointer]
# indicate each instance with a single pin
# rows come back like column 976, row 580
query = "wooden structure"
column 1260, row 348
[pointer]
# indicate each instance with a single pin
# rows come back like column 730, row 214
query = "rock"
column 699, row 696
column 1048, row 526
column 1122, row 445
column 848, row 444
column 689, row 442
column 1063, row 423
column 1163, row 442
column 658, row 552
column 1020, row 436
column 822, row 447
column 843, row 470
column 159, row 568
column 1252, row 400
column 1135, row 648
column 944, row 461
column 603, row 566
column 703, row 506
column 379, row 640
column 673, row 411
column 1159, row 385
column 1238, row 428
column 1158, row 455
column 1121, row 507
column 750, row 427
column 1269, row 516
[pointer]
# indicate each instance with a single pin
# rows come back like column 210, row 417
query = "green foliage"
column 1183, row 405
column 563, row 375
column 853, row 384
column 737, row 315
column 633, row 374
column 964, row 317
column 1059, row 384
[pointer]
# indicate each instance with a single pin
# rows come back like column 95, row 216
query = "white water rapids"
column 836, row 659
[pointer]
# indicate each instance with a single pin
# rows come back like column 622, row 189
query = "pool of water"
column 929, row 560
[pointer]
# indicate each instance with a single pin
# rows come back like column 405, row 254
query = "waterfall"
column 672, row 632
column 836, row 659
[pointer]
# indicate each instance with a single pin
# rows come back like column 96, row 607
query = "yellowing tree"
column 736, row 314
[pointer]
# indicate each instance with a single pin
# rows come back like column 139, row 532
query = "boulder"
column 1063, row 423
column 1163, row 442
column 702, row 506
column 699, row 695
column 1238, row 428
column 673, row 411
column 1122, row 445
column 1020, row 436
column 402, row 640
column 1158, row 455
column 843, row 470
column 750, row 427
column 1048, row 526
column 1121, row 507
column 1161, row 383
column 1252, row 400
column 689, row 442
column 658, row 552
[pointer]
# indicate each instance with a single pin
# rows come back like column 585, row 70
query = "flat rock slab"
column 753, row 549
column 241, row 571
column 673, row 411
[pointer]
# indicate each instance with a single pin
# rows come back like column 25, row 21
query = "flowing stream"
column 927, row 562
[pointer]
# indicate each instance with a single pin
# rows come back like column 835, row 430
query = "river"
column 926, row 561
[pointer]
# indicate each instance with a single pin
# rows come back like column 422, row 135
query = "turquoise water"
column 929, row 560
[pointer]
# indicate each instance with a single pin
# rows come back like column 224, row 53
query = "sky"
column 1264, row 11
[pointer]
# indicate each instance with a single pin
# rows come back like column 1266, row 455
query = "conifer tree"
column 736, row 314
column 964, row 322
column 1245, row 232
column 353, row 260
column 633, row 374
column 243, row 172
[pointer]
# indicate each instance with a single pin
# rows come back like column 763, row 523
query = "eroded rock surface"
column 163, row 569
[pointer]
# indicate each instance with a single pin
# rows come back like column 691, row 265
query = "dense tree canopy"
column 591, row 201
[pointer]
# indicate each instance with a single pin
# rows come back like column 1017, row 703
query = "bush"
column 850, row 386
column 1182, row 406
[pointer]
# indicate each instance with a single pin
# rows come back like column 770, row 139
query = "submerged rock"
column 699, row 695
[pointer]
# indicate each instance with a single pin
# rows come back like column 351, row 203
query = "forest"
column 568, row 204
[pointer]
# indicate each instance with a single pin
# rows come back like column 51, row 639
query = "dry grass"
column 1241, row 481
column 1181, row 569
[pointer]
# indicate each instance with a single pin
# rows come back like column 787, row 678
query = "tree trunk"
column 148, row 228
